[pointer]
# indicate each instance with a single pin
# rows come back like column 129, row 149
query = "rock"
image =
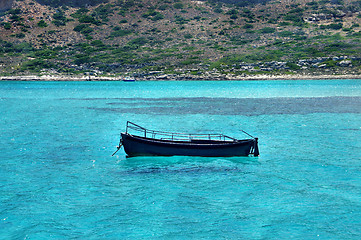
column 345, row 63
column 162, row 77
column 318, row 17
column 340, row 14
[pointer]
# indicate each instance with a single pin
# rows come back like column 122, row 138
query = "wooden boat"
column 158, row 143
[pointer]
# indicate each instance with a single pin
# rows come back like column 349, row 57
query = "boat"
column 128, row 79
column 145, row 142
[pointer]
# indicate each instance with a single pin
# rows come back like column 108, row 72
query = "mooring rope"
column 247, row 134
column 119, row 146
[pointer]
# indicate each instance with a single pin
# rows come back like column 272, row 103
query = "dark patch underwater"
column 233, row 106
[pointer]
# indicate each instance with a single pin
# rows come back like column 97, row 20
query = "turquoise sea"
column 58, row 179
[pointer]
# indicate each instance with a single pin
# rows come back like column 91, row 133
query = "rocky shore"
column 183, row 77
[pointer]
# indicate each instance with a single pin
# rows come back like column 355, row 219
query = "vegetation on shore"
column 175, row 37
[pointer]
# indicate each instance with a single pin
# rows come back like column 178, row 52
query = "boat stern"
column 255, row 148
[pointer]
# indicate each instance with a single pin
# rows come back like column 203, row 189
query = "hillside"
column 182, row 38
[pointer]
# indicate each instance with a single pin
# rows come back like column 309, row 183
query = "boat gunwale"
column 212, row 143
column 178, row 137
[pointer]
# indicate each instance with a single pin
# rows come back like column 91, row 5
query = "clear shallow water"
column 59, row 181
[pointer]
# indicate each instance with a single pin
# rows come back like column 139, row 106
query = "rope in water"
column 119, row 146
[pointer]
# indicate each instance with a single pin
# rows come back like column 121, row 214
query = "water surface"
column 59, row 181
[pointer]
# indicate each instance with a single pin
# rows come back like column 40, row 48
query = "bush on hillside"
column 42, row 24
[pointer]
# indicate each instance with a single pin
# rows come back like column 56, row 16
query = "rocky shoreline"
column 179, row 77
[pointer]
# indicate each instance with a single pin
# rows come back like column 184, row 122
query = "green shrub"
column 313, row 52
column 20, row 35
column 178, row 6
column 188, row 36
column 240, row 41
column 222, row 32
column 297, row 10
column 83, row 28
column 45, row 53
column 15, row 18
column 180, row 20
column 247, row 26
column 218, row 10
column 232, row 12
column 80, row 12
column 6, row 47
column 103, row 11
column 97, row 43
column 122, row 12
column 334, row 26
column 285, row 34
column 81, row 59
column 15, row 11
column 7, row 25
column 42, row 24
column 80, row 27
column 59, row 16
column 278, row 42
column 149, row 13
column 59, row 19
column 126, row 4
column 163, row 7
column 153, row 15
column 292, row 66
column 296, row 18
column 267, row 30
column 337, row 46
column 88, row 19
column 233, row 16
column 157, row 17
column 330, row 63
column 189, row 61
column 36, row 64
column 272, row 20
column 118, row 32
column 23, row 47
column 248, row 13
column 314, row 3
column 282, row 24
column 137, row 42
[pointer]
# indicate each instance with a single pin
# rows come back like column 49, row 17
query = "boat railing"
column 147, row 133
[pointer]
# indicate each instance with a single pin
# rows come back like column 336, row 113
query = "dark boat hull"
column 141, row 146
